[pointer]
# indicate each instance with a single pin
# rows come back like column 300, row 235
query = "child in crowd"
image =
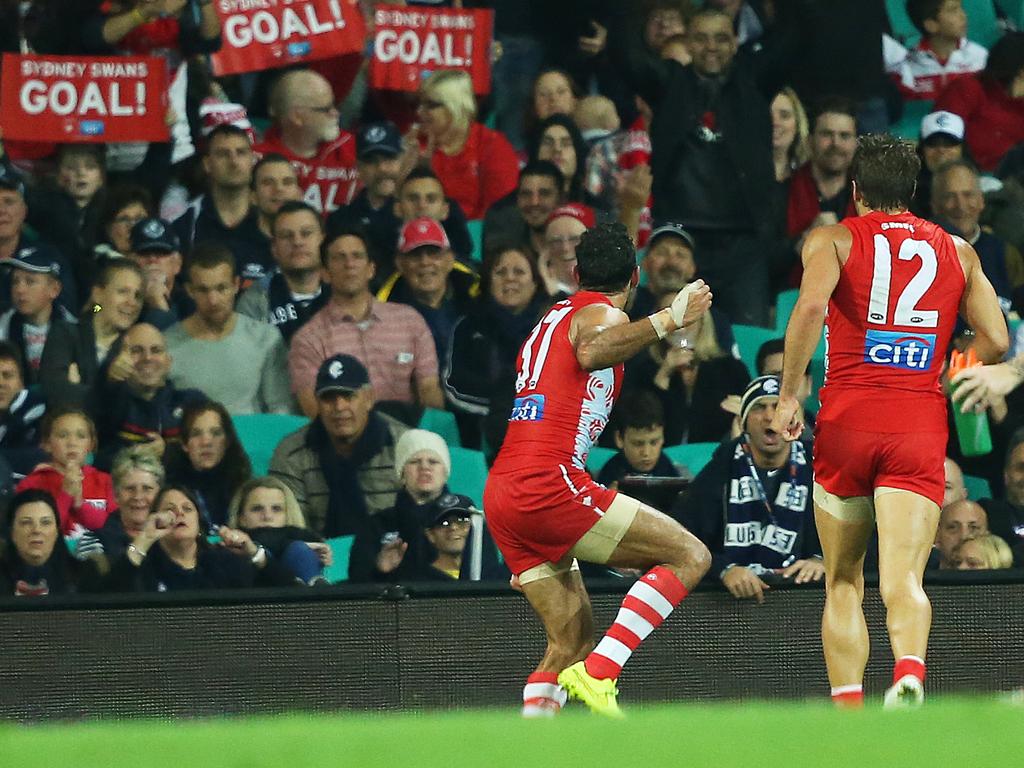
column 639, row 423
column 84, row 495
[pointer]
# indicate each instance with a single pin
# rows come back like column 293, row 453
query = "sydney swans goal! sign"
column 264, row 34
column 412, row 41
column 83, row 99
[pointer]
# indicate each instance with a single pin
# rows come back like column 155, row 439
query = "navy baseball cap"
column 448, row 504
column 154, row 236
column 380, row 138
column 341, row 373
column 671, row 228
column 11, row 180
column 41, row 258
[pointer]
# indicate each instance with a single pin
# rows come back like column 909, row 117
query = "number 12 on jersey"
column 906, row 312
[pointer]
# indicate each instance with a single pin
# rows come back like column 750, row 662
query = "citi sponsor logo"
column 529, row 408
column 912, row 352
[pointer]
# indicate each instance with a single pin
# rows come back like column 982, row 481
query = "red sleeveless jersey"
column 889, row 323
column 560, row 409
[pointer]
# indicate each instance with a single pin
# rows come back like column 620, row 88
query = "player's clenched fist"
column 690, row 303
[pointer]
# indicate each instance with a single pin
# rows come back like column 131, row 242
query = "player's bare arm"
column 603, row 336
column 980, row 308
column 824, row 251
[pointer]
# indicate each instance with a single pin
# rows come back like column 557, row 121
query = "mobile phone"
column 389, row 538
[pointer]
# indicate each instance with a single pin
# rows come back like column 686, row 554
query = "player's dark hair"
column 770, row 347
column 296, row 206
column 420, row 172
column 638, row 409
column 268, row 159
column 210, row 255
column 350, row 228
column 605, row 258
column 1005, row 59
column 833, row 105
column 885, row 170
column 543, row 168
column 10, row 352
column 921, row 11
column 226, row 129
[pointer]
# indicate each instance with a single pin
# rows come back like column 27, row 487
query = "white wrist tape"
column 659, row 326
column 680, row 302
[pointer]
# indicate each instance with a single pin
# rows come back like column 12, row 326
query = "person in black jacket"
column 712, row 158
column 21, row 412
column 172, row 553
column 751, row 503
column 484, row 344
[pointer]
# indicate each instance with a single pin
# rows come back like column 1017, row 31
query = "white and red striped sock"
column 908, row 665
column 542, row 695
column 647, row 604
column 848, row 696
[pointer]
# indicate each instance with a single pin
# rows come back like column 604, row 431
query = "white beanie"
column 416, row 440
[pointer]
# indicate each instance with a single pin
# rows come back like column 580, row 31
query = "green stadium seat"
column 909, row 125
column 982, row 22
column 977, row 488
column 469, row 473
column 441, row 423
column 598, row 458
column 476, row 234
column 260, row 433
column 749, row 339
column 1014, row 10
column 341, row 548
column 903, row 28
column 693, row 455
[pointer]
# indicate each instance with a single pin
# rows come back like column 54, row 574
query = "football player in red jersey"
column 888, row 287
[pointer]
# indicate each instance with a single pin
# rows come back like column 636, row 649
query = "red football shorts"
column 537, row 517
column 851, row 462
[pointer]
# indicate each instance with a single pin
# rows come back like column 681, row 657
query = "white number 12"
column 907, row 312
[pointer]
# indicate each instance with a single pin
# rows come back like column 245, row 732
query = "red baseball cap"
column 584, row 214
column 420, row 232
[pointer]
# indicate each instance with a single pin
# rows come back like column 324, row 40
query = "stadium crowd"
column 371, row 260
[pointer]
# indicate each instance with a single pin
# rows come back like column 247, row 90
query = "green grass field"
column 960, row 732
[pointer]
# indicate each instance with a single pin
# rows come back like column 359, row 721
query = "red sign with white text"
column 264, row 34
column 413, row 41
column 83, row 99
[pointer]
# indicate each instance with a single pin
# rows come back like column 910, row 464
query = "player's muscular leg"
column 653, row 539
column 844, row 632
column 563, row 606
column 906, row 532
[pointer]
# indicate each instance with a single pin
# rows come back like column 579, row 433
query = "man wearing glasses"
column 306, row 131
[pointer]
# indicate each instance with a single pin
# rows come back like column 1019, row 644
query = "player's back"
column 560, row 409
column 890, row 321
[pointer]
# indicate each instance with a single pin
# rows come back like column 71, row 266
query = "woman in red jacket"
column 477, row 166
column 991, row 102
column 84, row 495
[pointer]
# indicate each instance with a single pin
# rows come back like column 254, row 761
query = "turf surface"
column 978, row 732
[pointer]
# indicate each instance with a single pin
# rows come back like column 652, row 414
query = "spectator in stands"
column 991, row 102
column 215, row 339
column 554, row 93
column 611, row 159
column 43, row 26
column 751, row 504
column 141, row 406
column 942, row 55
column 476, row 165
column 668, row 264
column 1006, row 515
column 171, row 553
column 156, row 249
column 423, row 537
column 747, row 18
column 266, row 509
column 21, row 410
column 294, row 292
column 225, row 213
column 137, row 476
column 596, row 118
column 419, row 195
column 693, row 375
column 790, row 134
column 712, row 164
column 558, row 140
column 768, row 362
column 210, row 461
column 639, row 426
column 985, row 553
column 83, row 494
column 562, row 234
column 957, row 203
column 124, row 207
column 942, row 141
column 524, row 216
column 486, row 341
column 341, row 467
column 66, row 214
column 33, row 559
column 391, row 340
column 77, row 355
column 819, row 191
column 958, row 521
column 306, row 131
column 274, row 183
column 13, row 239
column 954, row 488
column 430, row 280
column 665, row 19
column 35, row 286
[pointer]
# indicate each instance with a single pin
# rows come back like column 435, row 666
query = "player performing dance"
column 887, row 286
column 544, row 510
